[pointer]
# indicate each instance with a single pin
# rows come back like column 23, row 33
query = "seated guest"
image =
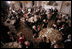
column 14, row 36
column 34, row 28
column 55, row 11
column 10, row 36
column 44, row 20
column 54, row 26
column 35, row 18
column 63, row 16
column 39, row 21
column 37, row 11
column 60, row 16
column 17, row 23
column 58, row 21
column 69, row 29
column 44, row 44
column 20, row 40
column 35, row 35
column 29, row 15
column 38, row 28
column 62, row 27
column 44, row 16
column 51, row 10
column 36, row 32
column 66, row 17
column 26, row 16
column 49, row 16
column 26, row 44
column 59, row 45
column 45, row 23
column 67, row 42
column 23, row 11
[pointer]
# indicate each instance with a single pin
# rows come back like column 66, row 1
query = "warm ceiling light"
column 13, row 2
column 8, row 2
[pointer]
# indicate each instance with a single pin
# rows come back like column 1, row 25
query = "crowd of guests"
column 36, row 18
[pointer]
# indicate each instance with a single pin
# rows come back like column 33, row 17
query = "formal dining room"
column 35, row 24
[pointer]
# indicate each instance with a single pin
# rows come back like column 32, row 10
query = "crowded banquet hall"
column 35, row 24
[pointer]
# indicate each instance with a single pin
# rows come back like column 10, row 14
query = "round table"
column 53, row 34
